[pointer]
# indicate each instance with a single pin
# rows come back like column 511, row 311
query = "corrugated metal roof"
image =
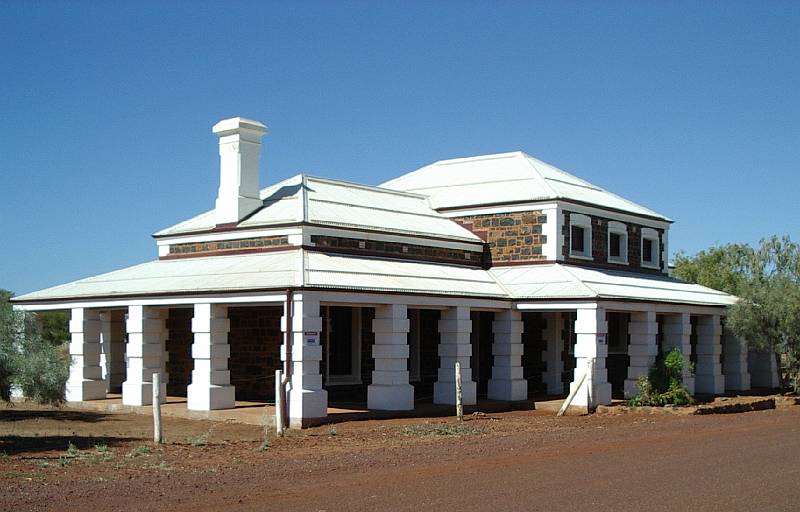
column 557, row 281
column 506, row 178
column 341, row 204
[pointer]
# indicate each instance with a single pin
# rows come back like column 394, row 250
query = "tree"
column 767, row 281
column 29, row 359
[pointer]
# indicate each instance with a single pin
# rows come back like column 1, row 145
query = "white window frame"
column 652, row 235
column 585, row 222
column 622, row 230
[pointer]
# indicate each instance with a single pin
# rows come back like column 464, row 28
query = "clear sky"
column 691, row 109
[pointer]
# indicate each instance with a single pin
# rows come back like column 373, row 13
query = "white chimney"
column 239, row 151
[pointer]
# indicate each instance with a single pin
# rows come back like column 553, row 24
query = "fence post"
column 278, row 402
column 459, row 402
column 157, row 430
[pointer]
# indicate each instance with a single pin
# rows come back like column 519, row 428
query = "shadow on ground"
column 11, row 414
column 14, row 445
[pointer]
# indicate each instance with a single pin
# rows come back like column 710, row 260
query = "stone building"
column 521, row 272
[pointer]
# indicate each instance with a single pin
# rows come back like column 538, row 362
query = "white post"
column 157, row 431
column 85, row 375
column 591, row 347
column 459, row 401
column 737, row 377
column 455, row 327
column 642, row 350
column 390, row 389
column 307, row 400
column 677, row 334
column 279, row 422
column 507, row 382
column 211, row 380
column 708, row 377
column 147, row 334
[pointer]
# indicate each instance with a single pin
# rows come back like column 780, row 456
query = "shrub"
column 664, row 385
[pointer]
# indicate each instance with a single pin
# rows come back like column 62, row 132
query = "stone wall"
column 398, row 250
column 511, row 237
column 257, row 244
column 600, row 246
column 255, row 339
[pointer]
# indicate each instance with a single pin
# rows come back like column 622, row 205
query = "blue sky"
column 691, row 109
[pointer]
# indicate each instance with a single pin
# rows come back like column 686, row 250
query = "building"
column 519, row 271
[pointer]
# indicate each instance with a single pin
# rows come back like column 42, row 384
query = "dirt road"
column 518, row 461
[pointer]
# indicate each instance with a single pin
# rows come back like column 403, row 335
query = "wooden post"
column 589, row 379
column 459, row 404
column 157, row 430
column 278, row 402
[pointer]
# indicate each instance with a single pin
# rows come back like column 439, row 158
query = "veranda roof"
column 280, row 270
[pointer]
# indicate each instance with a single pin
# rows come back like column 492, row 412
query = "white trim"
column 155, row 301
column 652, row 235
column 489, row 210
column 552, row 231
column 621, row 229
column 628, row 218
column 228, row 235
column 585, row 222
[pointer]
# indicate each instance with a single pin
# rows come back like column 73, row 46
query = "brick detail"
column 398, row 250
column 243, row 245
column 510, row 236
column 600, row 246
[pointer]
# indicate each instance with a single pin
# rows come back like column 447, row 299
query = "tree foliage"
column 767, row 281
column 32, row 353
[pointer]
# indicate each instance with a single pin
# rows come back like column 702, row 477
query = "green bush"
column 664, row 385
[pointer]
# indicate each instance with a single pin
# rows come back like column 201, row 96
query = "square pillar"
column 211, row 380
column 85, row 380
column 390, row 389
column 708, row 374
column 307, row 401
column 112, row 355
column 507, row 382
column 147, row 334
column 591, row 348
column 552, row 376
column 737, row 377
column 677, row 334
column 763, row 368
column 455, row 328
column 642, row 348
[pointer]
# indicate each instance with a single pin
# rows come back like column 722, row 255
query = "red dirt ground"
column 525, row 460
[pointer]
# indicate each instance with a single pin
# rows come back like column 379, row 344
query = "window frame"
column 585, row 222
column 618, row 228
column 652, row 235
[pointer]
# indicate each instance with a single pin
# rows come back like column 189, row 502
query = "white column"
column 642, row 350
column 455, row 327
column 763, row 368
column 591, row 329
column 552, row 376
column 507, row 382
column 307, row 400
column 737, row 378
column 708, row 374
column 677, row 334
column 85, row 374
column 147, row 334
column 211, row 380
column 390, row 390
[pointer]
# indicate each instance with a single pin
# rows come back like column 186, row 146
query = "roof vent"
column 239, row 152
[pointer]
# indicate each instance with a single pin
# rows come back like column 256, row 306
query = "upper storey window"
column 617, row 242
column 650, row 248
column 580, row 239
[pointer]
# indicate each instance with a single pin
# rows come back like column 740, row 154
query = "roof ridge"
column 563, row 269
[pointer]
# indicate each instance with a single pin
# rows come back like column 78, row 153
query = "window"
column 617, row 242
column 650, row 248
column 580, row 236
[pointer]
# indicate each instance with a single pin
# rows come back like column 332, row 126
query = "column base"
column 601, row 395
column 737, row 381
column 709, row 384
column 307, row 407
column 513, row 390
column 444, row 393
column 390, row 398
column 209, row 398
column 86, row 390
column 140, row 393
